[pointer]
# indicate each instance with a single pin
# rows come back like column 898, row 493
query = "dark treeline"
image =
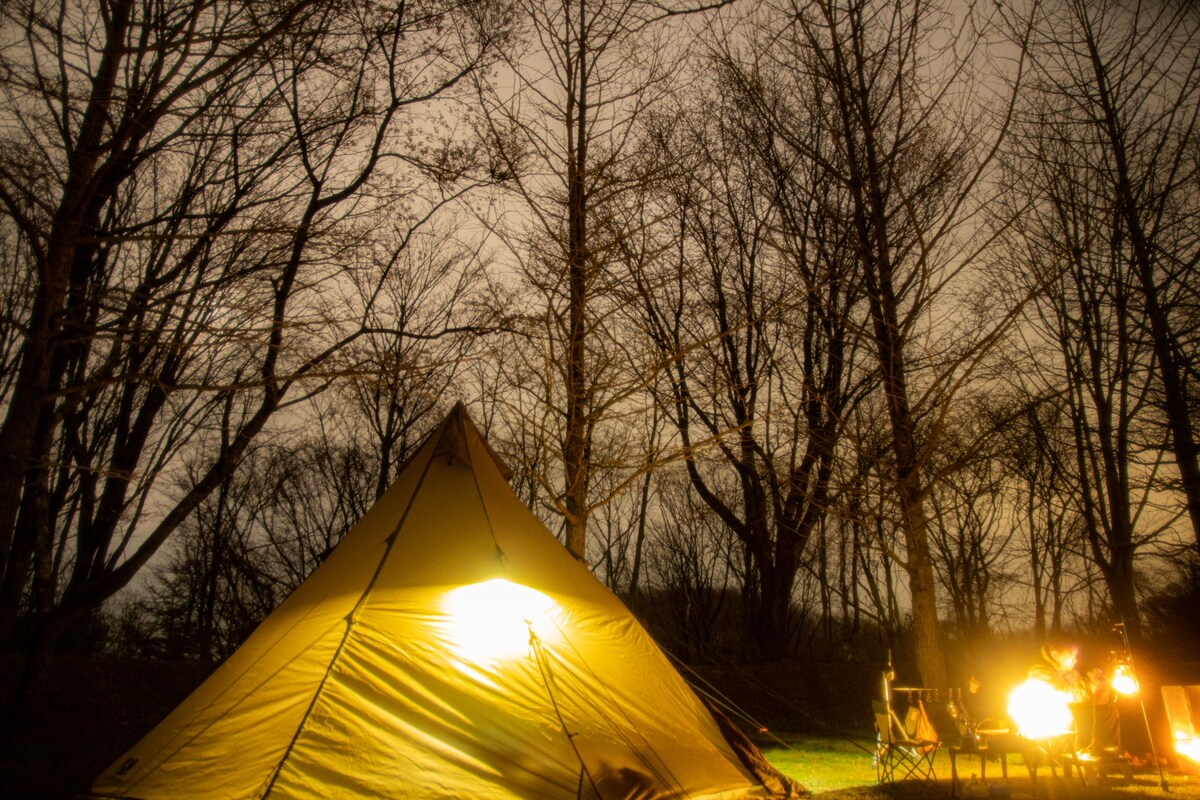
column 816, row 327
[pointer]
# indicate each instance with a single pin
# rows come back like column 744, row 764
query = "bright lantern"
column 1123, row 681
column 1039, row 710
column 495, row 620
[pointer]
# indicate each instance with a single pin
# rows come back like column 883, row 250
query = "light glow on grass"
column 838, row 768
column 821, row 764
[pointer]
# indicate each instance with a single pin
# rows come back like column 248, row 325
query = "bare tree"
column 694, row 570
column 1106, row 163
column 623, row 524
column 192, row 183
column 426, row 313
column 971, row 537
column 1038, row 454
column 567, row 134
column 252, row 541
column 909, row 136
column 1118, row 82
column 1083, row 316
column 873, row 565
column 750, row 310
column 215, row 584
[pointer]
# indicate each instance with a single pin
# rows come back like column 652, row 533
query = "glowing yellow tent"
column 449, row 647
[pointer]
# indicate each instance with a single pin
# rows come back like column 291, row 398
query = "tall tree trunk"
column 870, row 177
column 1167, row 356
column 575, row 448
column 35, row 385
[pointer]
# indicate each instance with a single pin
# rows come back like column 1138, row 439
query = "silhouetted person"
column 1106, row 718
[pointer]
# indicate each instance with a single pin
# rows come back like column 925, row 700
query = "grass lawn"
column 842, row 769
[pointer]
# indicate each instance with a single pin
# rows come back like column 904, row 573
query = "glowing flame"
column 1187, row 746
column 1123, row 680
column 1039, row 710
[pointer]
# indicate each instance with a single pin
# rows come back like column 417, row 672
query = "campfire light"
column 1039, row 710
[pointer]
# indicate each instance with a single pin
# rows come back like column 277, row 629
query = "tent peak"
column 454, row 435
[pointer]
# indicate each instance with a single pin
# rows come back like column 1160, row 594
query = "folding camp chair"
column 904, row 750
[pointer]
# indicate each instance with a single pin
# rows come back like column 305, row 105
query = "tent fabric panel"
column 290, row 650
column 671, row 741
column 533, row 555
column 625, row 663
column 446, row 540
column 228, row 751
column 402, row 723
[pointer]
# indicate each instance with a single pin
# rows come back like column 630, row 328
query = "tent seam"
column 350, row 620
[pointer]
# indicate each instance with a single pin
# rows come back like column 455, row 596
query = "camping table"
column 987, row 742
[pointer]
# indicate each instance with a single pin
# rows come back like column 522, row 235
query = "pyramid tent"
column 449, row 647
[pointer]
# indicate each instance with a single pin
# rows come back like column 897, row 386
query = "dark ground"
column 89, row 711
column 86, row 714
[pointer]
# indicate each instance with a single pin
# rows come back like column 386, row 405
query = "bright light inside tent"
column 494, row 620
column 1039, row 710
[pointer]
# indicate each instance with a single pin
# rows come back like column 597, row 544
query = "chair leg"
column 896, row 763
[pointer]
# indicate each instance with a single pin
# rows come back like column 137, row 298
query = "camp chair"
column 904, row 750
